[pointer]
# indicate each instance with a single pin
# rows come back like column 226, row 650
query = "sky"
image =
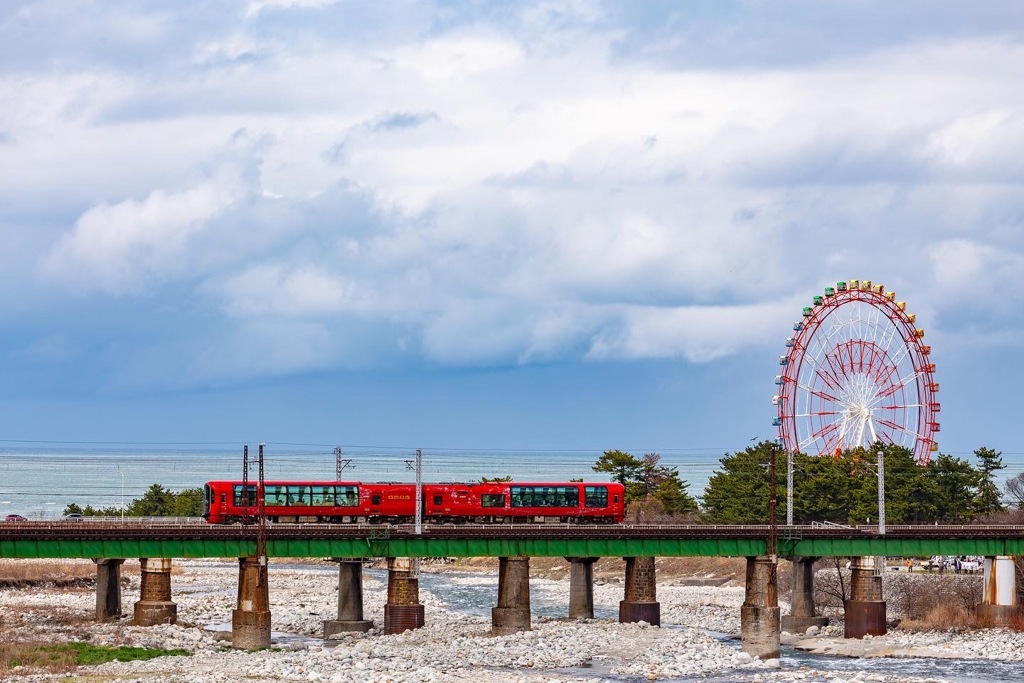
column 537, row 226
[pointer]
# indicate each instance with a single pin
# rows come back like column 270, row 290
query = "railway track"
column 158, row 530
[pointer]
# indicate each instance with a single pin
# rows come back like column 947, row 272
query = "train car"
column 226, row 502
column 525, row 502
column 293, row 501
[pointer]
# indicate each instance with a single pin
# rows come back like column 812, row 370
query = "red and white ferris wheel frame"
column 856, row 371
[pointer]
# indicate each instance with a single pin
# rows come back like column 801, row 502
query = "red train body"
column 379, row 502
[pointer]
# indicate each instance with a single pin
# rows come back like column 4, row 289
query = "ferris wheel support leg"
column 864, row 612
column 760, row 614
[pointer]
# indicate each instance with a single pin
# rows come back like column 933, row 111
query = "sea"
column 39, row 481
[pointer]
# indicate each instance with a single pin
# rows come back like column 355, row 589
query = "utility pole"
column 261, row 522
column 789, row 488
column 340, row 464
column 772, row 529
column 121, row 472
column 881, row 493
column 245, row 483
column 418, row 466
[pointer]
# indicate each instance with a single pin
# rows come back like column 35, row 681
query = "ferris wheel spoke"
column 898, row 428
column 893, row 388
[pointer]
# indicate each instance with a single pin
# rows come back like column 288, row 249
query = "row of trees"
column 155, row 502
column 841, row 489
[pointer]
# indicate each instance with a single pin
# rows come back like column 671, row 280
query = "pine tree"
column 988, row 499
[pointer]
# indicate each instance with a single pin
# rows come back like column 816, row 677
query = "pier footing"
column 640, row 602
column 864, row 612
column 250, row 622
column 350, row 600
column 513, row 611
column 155, row 605
column 760, row 613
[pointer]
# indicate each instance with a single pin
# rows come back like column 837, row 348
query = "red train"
column 353, row 502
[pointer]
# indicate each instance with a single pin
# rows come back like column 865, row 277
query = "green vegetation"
column 844, row 489
column 69, row 655
column 155, row 502
column 652, row 490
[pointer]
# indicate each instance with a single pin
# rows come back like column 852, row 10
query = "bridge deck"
column 155, row 539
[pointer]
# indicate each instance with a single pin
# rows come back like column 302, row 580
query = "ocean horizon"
column 41, row 481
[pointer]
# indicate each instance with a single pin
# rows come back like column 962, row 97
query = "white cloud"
column 488, row 192
column 255, row 7
column 124, row 248
column 698, row 334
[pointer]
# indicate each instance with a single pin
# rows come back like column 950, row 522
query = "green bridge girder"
column 725, row 544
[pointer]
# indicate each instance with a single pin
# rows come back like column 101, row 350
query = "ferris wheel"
column 856, row 371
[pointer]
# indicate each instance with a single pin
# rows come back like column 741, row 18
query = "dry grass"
column 948, row 616
column 32, row 572
column 34, row 655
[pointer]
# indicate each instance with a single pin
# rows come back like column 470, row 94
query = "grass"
column 67, row 656
column 27, row 572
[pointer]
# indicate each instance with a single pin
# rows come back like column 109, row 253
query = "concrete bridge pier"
column 864, row 612
column 155, row 605
column 513, row 611
column 403, row 611
column 999, row 596
column 108, row 588
column 640, row 601
column 250, row 622
column 802, row 614
column 759, row 615
column 350, row 600
column 581, row 587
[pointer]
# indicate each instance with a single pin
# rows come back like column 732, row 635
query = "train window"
column 596, row 496
column 492, row 500
column 322, row 495
column 347, row 496
column 566, row 497
column 375, row 499
column 438, row 498
column 224, row 496
column 239, row 499
column 275, row 496
column 521, row 496
column 298, row 495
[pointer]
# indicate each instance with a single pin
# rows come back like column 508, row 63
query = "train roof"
column 331, row 482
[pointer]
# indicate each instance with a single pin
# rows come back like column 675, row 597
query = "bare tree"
column 1015, row 491
column 831, row 588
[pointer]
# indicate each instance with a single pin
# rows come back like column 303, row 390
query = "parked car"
column 15, row 518
column 74, row 517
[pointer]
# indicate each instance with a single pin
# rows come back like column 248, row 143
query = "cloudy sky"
column 494, row 225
